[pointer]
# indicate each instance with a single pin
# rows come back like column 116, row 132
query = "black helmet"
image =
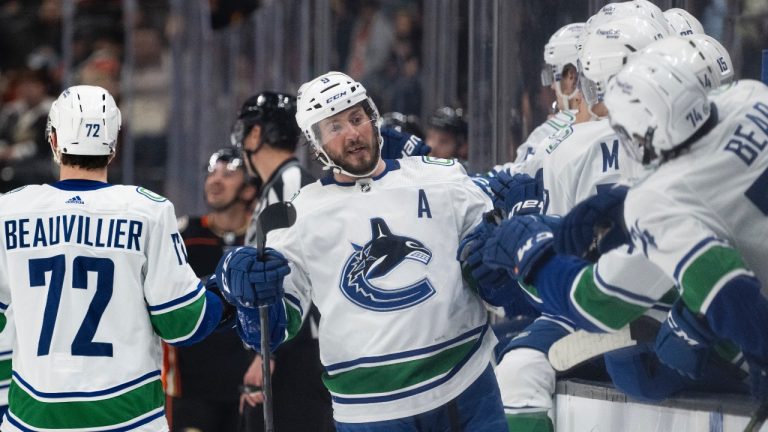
column 275, row 113
column 228, row 155
column 450, row 120
column 402, row 123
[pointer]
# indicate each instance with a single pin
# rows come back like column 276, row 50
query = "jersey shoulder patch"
column 151, row 195
column 438, row 161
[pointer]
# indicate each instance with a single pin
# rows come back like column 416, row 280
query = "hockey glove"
column 517, row 194
column 520, row 245
column 247, row 281
column 685, row 342
column 398, row 144
column 249, row 326
column 594, row 226
column 493, row 285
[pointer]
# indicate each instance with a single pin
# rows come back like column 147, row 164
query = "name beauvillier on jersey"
column 107, row 233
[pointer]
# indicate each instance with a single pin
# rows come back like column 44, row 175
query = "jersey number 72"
column 83, row 344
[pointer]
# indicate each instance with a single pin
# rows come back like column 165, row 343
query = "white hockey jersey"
column 623, row 285
column 94, row 273
column 550, row 126
column 401, row 332
column 702, row 216
column 580, row 159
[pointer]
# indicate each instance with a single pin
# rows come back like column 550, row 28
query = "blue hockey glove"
column 684, row 342
column 246, row 281
column 517, row 194
column 495, row 286
column 249, row 326
column 594, row 226
column 398, row 144
column 483, row 182
column 519, row 245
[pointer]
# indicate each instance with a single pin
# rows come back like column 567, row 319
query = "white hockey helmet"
column 689, row 52
column 326, row 96
column 610, row 12
column 86, row 121
column 607, row 48
column 682, row 23
column 714, row 50
column 655, row 105
column 651, row 11
column 560, row 52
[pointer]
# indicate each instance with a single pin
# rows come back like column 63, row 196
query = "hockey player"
column 561, row 75
column 616, row 290
column 577, row 162
column 447, row 134
column 699, row 215
column 96, row 272
column 373, row 246
column 267, row 135
column 202, row 380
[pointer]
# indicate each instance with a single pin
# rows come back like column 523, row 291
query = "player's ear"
column 248, row 192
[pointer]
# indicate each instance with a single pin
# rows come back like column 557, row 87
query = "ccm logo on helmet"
column 336, row 96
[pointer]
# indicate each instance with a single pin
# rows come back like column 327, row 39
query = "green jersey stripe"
column 84, row 414
column 604, row 310
column 707, row 273
column 294, row 319
column 179, row 323
column 397, row 376
column 5, row 370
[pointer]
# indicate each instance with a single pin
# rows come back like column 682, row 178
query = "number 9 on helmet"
column 86, row 122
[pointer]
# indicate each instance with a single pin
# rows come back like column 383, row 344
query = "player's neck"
column 268, row 160
column 234, row 219
column 380, row 167
column 68, row 172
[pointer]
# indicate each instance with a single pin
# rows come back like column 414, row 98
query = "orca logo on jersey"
column 377, row 259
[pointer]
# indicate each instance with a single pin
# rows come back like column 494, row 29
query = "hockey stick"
column 274, row 216
column 580, row 346
column 758, row 418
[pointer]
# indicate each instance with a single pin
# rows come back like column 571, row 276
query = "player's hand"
column 492, row 284
column 517, row 194
column 594, row 226
column 253, row 380
column 249, row 281
column 520, row 245
column 398, row 144
column 684, row 342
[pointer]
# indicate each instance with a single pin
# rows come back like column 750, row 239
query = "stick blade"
column 274, row 216
column 581, row 346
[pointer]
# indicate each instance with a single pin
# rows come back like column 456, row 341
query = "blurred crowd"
column 377, row 42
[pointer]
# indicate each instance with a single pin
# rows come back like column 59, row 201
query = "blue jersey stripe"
column 182, row 299
column 405, row 354
column 97, row 393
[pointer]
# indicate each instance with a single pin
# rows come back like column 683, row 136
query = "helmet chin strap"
column 328, row 163
column 564, row 98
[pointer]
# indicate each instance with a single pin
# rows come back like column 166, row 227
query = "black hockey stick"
column 758, row 418
column 275, row 216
